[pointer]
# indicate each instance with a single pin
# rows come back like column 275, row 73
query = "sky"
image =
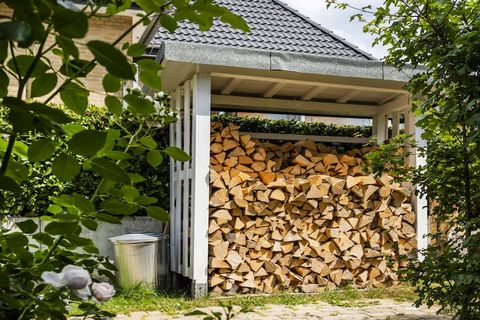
column 338, row 21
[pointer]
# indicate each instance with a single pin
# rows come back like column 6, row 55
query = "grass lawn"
column 144, row 299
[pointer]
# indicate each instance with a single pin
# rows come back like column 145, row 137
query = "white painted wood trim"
column 200, row 180
column 421, row 201
column 186, row 228
column 380, row 130
column 307, row 83
column 230, row 85
column 312, row 93
column 173, row 181
column 299, row 137
column 399, row 104
column 395, row 124
column 178, row 184
column 273, row 89
column 294, row 106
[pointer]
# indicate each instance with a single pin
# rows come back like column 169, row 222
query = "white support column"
column 421, row 201
column 178, row 184
column 395, row 124
column 380, row 128
column 186, row 220
column 173, row 182
column 201, row 86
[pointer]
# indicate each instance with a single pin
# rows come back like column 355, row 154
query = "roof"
column 274, row 26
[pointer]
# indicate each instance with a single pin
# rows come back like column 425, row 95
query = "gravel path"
column 370, row 310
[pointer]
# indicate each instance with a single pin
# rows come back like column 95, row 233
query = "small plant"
column 227, row 313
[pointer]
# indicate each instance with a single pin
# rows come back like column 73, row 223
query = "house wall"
column 100, row 28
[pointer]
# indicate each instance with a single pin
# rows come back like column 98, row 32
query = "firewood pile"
column 299, row 215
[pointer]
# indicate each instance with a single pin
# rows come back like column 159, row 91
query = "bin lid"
column 134, row 238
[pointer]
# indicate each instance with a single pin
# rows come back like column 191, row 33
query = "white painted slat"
column 186, row 180
column 421, row 201
column 299, row 137
column 178, row 186
column 173, row 245
column 200, row 181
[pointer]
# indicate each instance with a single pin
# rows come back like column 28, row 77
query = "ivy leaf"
column 158, row 213
column 154, row 158
column 177, row 154
column 112, row 59
column 87, row 142
column 65, row 167
column 41, row 150
column 110, row 170
column 43, row 84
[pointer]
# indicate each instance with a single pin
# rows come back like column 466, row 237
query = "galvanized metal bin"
column 137, row 259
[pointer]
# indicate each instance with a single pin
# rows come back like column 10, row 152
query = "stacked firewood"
column 299, row 215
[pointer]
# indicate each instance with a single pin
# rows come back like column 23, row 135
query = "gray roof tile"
column 274, row 27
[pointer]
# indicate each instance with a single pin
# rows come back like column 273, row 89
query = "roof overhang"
column 257, row 80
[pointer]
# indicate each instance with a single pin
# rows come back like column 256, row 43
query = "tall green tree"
column 441, row 39
column 35, row 31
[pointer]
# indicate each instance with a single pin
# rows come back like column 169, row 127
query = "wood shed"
column 287, row 64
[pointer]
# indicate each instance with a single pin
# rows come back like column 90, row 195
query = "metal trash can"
column 137, row 259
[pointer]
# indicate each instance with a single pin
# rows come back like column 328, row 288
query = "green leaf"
column 51, row 114
column 61, row 228
column 111, row 83
column 68, row 46
column 76, row 68
column 17, row 171
column 107, row 218
column 24, row 62
column 235, row 21
column 117, row 155
column 151, row 79
column 129, row 193
column 149, row 65
column 148, row 142
column 158, row 213
column 8, row 184
column 65, row 167
column 75, row 98
column 72, row 128
column 15, row 240
column 43, row 84
column 18, row 31
column 43, row 238
column 41, row 150
column 90, row 224
column 4, row 81
column 83, row 204
column 119, row 207
column 168, row 22
column 113, row 105
column 177, row 154
column 87, row 143
column 145, row 201
column 136, row 50
column 112, row 59
column 27, row 226
column 69, row 23
column 3, row 51
column 139, row 105
column 54, row 209
column 110, row 170
column 154, row 158
column 136, row 178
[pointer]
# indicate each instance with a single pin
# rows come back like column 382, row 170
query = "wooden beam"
column 230, row 85
column 349, row 96
column 300, row 137
column 312, row 93
column 399, row 104
column 294, row 106
column 273, row 89
column 306, row 83
column 388, row 98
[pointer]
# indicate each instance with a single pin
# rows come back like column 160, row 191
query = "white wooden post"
column 201, row 85
column 173, row 182
column 380, row 127
column 395, row 124
column 186, row 180
column 178, row 184
column 421, row 201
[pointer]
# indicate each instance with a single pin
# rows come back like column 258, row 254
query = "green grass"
column 144, row 299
